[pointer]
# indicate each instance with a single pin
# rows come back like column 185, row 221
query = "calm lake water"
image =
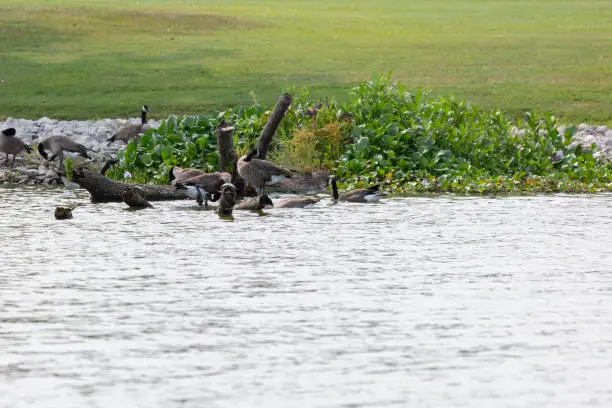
column 422, row 301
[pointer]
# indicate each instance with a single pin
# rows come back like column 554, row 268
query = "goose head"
column 265, row 201
column 145, row 108
column 9, row 132
column 254, row 152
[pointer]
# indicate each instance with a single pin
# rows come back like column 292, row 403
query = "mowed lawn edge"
column 79, row 59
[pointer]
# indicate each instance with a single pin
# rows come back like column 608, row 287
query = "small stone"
column 63, row 213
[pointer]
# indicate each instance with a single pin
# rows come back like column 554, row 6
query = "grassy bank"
column 385, row 134
column 91, row 59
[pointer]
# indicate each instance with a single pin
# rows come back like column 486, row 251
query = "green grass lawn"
column 83, row 59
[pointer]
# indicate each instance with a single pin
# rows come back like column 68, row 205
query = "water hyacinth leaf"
column 146, row 159
column 166, row 154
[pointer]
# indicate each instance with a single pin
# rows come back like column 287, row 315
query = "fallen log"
column 105, row 190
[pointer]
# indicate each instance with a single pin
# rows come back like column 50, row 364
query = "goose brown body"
column 258, row 172
column 9, row 144
column 132, row 130
column 256, row 203
column 57, row 145
column 297, row 202
column 360, row 195
column 177, row 173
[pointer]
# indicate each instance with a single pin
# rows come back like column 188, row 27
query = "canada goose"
column 258, row 172
column 256, row 203
column 199, row 192
column 227, row 201
column 180, row 174
column 210, row 181
column 57, row 145
column 297, row 202
column 135, row 197
column 132, row 130
column 361, row 195
column 9, row 144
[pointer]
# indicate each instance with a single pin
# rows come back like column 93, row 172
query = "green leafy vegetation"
column 385, row 134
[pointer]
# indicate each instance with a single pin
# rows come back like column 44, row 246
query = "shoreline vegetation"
column 408, row 142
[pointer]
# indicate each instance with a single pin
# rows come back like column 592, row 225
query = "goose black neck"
column 143, row 117
column 41, row 150
column 171, row 174
column 334, row 188
column 251, row 154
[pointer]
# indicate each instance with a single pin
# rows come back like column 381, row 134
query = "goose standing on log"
column 133, row 130
column 9, row 144
column 360, row 195
column 57, row 145
column 259, row 173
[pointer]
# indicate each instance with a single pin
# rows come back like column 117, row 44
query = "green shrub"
column 386, row 134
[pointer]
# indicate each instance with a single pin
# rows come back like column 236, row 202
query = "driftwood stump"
column 272, row 124
column 228, row 158
column 105, row 190
column 228, row 199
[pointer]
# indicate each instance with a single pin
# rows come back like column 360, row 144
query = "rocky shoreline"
column 32, row 169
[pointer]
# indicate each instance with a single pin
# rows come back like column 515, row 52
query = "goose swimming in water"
column 360, row 195
column 9, row 144
column 57, row 145
column 259, row 173
column 297, row 202
column 256, row 203
column 133, row 130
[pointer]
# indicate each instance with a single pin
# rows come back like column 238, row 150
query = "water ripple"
column 420, row 301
